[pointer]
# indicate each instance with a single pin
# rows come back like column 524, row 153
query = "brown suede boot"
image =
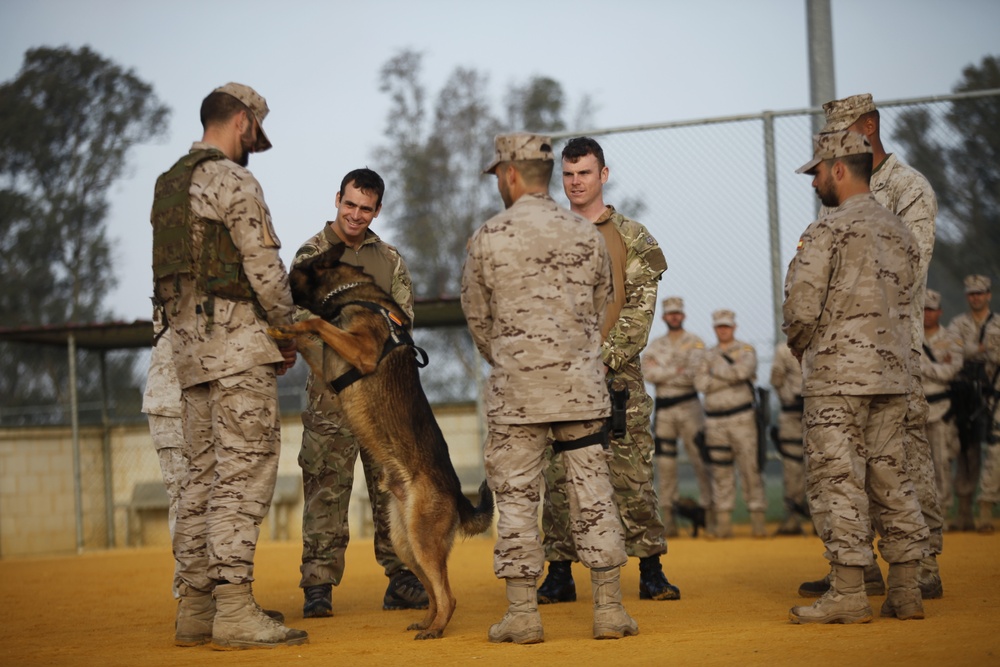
column 195, row 613
column 844, row 602
column 611, row 621
column 758, row 524
column 241, row 623
column 522, row 624
column 903, row 600
column 984, row 520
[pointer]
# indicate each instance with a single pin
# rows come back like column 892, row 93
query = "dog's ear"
column 331, row 256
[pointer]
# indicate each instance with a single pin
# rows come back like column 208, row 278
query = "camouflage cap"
column 932, row 300
column 723, row 318
column 673, row 304
column 976, row 283
column 841, row 114
column 520, row 146
column 833, row 145
column 257, row 105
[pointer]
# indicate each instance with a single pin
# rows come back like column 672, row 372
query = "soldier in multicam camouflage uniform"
column 329, row 449
column 786, row 379
column 535, row 285
column 847, row 317
column 726, row 375
column 904, row 191
column 970, row 327
column 220, row 282
column 940, row 362
column 669, row 363
column 989, row 482
column 636, row 266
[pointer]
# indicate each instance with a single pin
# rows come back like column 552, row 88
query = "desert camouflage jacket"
column 726, row 382
column 671, row 365
column 786, row 376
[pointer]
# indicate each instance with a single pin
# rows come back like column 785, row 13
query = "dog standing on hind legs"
column 375, row 373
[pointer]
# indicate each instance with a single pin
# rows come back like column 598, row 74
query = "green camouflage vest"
column 218, row 272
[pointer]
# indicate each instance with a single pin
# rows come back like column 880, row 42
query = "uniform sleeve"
column 916, row 206
column 475, row 297
column 402, row 286
column 742, row 368
column 654, row 369
column 604, row 290
column 806, row 286
column 779, row 370
column 947, row 365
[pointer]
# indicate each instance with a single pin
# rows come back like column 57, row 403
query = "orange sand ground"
column 114, row 608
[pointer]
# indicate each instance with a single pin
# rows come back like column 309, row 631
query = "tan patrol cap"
column 723, row 318
column 932, row 300
column 833, row 145
column 257, row 105
column 520, row 146
column 841, row 114
column 673, row 304
column 976, row 283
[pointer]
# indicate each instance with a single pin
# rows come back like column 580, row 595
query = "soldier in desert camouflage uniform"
column 970, row 327
column 329, row 449
column 636, row 266
column 669, row 363
column 535, row 285
column 219, row 281
column 786, row 379
column 904, row 191
column 847, row 317
column 989, row 481
column 940, row 362
column 725, row 375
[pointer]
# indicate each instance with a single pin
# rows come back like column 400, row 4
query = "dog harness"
column 398, row 336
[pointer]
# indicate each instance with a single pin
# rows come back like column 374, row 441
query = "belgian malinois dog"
column 376, row 374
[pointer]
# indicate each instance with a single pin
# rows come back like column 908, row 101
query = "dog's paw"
column 279, row 334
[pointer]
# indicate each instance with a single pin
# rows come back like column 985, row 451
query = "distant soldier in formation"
column 989, row 482
column 786, row 379
column 670, row 363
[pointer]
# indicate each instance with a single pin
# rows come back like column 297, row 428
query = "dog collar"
column 338, row 290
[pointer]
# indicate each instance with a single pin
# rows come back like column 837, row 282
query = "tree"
column 964, row 170
column 67, row 122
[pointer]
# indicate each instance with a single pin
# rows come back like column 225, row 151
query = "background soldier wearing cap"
column 786, row 379
column 329, row 448
column 846, row 314
column 905, row 192
column 535, row 305
column 970, row 390
column 989, row 482
column 726, row 375
column 636, row 266
column 210, row 221
column 940, row 362
column 669, row 363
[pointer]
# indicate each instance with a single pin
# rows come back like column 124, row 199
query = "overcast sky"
column 317, row 63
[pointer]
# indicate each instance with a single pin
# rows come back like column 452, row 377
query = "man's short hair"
column 533, row 172
column 218, row 107
column 859, row 164
column 367, row 181
column 579, row 147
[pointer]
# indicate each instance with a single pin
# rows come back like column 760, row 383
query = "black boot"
column 319, row 601
column 653, row 584
column 559, row 585
column 404, row 592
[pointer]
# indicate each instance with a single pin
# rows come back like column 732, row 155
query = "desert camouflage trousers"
column 514, row 458
column 327, row 458
column 731, row 443
column 942, row 436
column 856, row 475
column 679, row 422
column 631, row 469
column 793, row 468
column 989, row 481
column 920, row 465
column 231, row 443
column 168, row 439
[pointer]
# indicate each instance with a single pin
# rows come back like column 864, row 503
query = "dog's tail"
column 478, row 519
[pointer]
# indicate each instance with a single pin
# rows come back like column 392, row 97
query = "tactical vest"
column 218, row 271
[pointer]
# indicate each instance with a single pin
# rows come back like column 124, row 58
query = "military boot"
column 903, row 600
column 241, row 623
column 195, row 613
column 790, row 525
column 758, row 524
column 318, row 601
column 723, row 527
column 611, row 621
column 559, row 585
column 929, row 579
column 874, row 584
column 984, row 521
column 653, row 584
column 670, row 524
column 404, row 592
column 522, row 624
column 844, row 602
column 963, row 517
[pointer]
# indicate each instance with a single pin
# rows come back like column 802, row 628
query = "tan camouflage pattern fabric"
column 852, row 325
column 163, row 390
column 534, row 287
column 833, row 145
column 670, row 367
column 942, row 435
column 514, row 456
column 329, row 449
column 786, row 380
column 842, row 113
column 989, row 481
column 967, row 330
column 731, row 440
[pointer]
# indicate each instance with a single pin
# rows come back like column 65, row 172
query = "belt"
column 936, row 398
column 731, row 411
column 671, row 401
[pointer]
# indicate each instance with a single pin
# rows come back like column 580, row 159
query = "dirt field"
column 114, row 608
